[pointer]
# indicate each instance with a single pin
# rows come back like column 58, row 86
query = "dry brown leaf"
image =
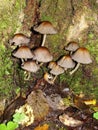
column 55, row 101
column 44, row 127
column 38, row 102
column 69, row 121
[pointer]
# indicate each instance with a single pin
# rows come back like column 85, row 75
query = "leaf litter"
column 52, row 113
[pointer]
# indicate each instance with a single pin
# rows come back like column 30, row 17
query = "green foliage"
column 9, row 126
column 18, row 117
column 12, row 125
column 95, row 115
column 9, row 13
column 10, row 21
column 47, row 18
column 5, row 70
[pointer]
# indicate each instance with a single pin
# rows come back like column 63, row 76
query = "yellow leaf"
column 44, row 127
column 90, row 102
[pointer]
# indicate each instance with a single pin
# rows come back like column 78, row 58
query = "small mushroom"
column 55, row 71
column 45, row 28
column 19, row 39
column 66, row 62
column 42, row 54
column 30, row 66
column 23, row 52
column 51, row 64
column 48, row 77
column 81, row 56
column 72, row 46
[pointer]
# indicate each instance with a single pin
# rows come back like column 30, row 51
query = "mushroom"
column 51, row 64
column 72, row 46
column 81, row 56
column 23, row 52
column 57, row 70
column 66, row 62
column 30, row 66
column 48, row 77
column 42, row 54
column 19, row 39
column 45, row 28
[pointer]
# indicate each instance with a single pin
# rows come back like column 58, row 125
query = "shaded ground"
column 78, row 111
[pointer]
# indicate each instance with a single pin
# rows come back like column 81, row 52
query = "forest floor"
column 55, row 108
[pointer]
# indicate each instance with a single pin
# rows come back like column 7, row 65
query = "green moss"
column 47, row 18
column 10, row 22
column 5, row 71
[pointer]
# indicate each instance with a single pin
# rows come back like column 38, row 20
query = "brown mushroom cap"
column 45, row 27
column 23, row 52
column 51, row 64
column 72, row 46
column 42, row 54
column 82, row 56
column 30, row 66
column 66, row 62
column 19, row 39
column 57, row 70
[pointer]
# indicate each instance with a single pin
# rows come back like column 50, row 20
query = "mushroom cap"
column 51, row 64
column 45, row 27
column 23, row 52
column 82, row 55
column 72, row 46
column 42, row 54
column 19, row 39
column 57, row 70
column 66, row 62
column 30, row 66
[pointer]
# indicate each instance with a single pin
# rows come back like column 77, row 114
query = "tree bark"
column 73, row 20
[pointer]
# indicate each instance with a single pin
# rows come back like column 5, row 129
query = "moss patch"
column 11, row 14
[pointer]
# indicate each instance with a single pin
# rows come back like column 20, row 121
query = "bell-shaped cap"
column 72, row 46
column 45, row 27
column 51, row 64
column 57, row 70
column 82, row 55
column 23, row 52
column 30, row 66
column 19, row 39
column 42, row 54
column 66, row 62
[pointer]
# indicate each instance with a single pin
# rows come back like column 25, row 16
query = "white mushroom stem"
column 54, row 79
column 44, row 38
column 41, row 64
column 22, row 60
column 70, row 53
column 77, row 66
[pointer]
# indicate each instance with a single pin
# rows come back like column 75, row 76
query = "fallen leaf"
column 55, row 102
column 44, row 127
column 24, row 115
column 90, row 102
column 38, row 102
column 69, row 121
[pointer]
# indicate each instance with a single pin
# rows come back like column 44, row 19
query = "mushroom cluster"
column 77, row 55
column 33, row 59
